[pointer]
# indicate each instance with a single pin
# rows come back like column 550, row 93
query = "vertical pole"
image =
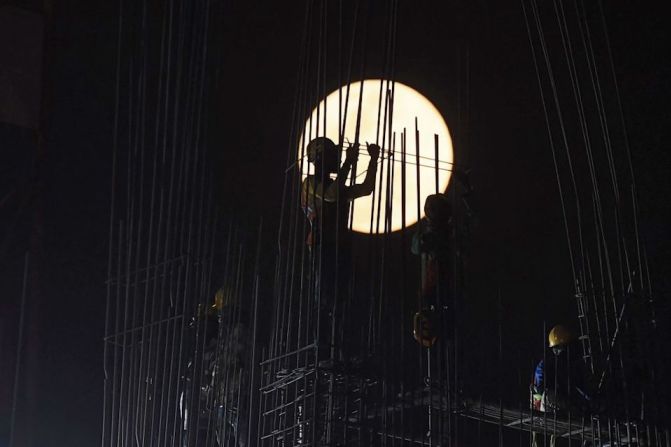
column 532, row 433
column 419, row 214
column 500, row 327
column 404, row 266
column 545, row 387
column 257, row 281
column 27, row 418
column 568, row 392
column 436, row 160
column 19, row 348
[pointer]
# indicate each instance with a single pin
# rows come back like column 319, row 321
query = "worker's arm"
column 351, row 156
column 368, row 185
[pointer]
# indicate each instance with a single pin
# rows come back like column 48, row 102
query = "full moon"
column 410, row 111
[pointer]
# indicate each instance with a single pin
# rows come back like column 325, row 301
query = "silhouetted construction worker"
column 326, row 202
column 217, row 377
column 432, row 242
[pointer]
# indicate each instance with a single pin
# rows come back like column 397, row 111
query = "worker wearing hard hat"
column 217, row 369
column 326, row 202
column 560, row 381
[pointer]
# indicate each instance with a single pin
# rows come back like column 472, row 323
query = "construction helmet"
column 324, row 149
column 560, row 336
column 222, row 298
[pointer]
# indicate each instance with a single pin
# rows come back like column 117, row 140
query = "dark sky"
column 518, row 240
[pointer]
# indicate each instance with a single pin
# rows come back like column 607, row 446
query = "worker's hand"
column 373, row 150
column 352, row 153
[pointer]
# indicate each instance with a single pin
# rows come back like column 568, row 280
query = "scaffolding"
column 196, row 356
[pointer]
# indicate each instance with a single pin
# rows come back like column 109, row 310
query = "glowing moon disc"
column 408, row 105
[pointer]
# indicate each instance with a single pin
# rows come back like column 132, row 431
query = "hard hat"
column 222, row 298
column 560, row 336
column 324, row 148
column 424, row 328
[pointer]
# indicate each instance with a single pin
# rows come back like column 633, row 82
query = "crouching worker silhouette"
column 326, row 202
column 561, row 383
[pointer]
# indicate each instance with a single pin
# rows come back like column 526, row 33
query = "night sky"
column 517, row 243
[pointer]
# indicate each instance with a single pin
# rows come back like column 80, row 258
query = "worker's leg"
column 534, row 439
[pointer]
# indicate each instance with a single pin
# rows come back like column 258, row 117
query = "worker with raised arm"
column 326, row 202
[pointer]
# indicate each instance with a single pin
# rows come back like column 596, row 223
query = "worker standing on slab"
column 326, row 202
column 432, row 243
column 214, row 387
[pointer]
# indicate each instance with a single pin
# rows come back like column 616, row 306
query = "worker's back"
column 564, row 379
